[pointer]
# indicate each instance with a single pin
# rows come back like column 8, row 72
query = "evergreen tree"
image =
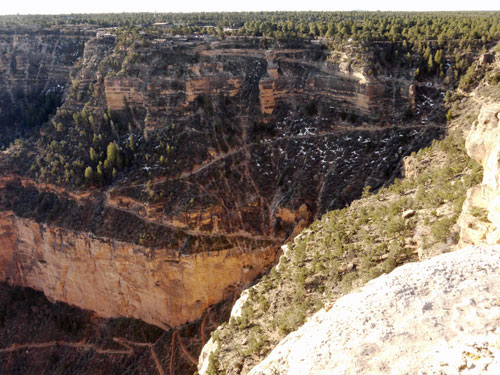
column 111, row 151
column 89, row 174
column 93, row 154
column 430, row 64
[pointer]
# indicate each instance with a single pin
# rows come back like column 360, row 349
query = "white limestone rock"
column 483, row 145
column 435, row 317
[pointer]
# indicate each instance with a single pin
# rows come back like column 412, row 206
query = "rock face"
column 34, row 73
column 237, row 148
column 432, row 317
column 117, row 278
column 272, row 80
column 480, row 218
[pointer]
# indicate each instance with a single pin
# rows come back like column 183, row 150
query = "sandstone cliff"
column 225, row 152
column 115, row 278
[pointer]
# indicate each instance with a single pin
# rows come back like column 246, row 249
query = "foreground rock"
column 435, row 317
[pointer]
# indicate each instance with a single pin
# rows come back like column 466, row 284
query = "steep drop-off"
column 175, row 168
column 415, row 218
column 439, row 316
column 114, row 278
column 479, row 220
column 34, row 72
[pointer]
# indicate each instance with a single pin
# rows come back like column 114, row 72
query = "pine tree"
column 93, row 154
column 131, row 143
column 430, row 63
column 89, row 173
column 111, row 153
column 438, row 57
column 447, row 97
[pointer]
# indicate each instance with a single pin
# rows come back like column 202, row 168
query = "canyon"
column 439, row 316
column 249, row 129
column 35, row 68
column 165, row 174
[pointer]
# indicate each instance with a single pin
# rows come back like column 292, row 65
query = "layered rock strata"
column 236, row 150
column 116, row 278
column 35, row 68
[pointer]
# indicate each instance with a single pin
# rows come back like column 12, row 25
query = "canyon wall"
column 116, row 278
column 35, row 66
column 480, row 218
column 226, row 152
column 437, row 316
column 87, row 252
column 271, row 81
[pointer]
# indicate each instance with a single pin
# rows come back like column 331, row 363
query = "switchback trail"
column 76, row 345
column 223, row 155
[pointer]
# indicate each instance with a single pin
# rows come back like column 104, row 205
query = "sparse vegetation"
column 480, row 213
column 348, row 247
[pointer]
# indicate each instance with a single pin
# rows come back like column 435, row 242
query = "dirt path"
column 219, row 157
column 76, row 345
column 184, row 350
column 127, row 344
column 224, row 155
column 77, row 196
column 173, row 226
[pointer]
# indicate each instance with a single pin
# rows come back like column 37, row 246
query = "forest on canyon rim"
column 153, row 164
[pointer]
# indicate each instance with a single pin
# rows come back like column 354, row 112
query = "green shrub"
column 440, row 229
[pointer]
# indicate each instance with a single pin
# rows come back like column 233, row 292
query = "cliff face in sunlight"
column 117, row 278
column 480, row 218
column 433, row 317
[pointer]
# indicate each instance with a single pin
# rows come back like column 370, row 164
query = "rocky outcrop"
column 480, row 219
column 271, row 82
column 121, row 92
column 212, row 86
column 116, row 278
column 435, row 317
